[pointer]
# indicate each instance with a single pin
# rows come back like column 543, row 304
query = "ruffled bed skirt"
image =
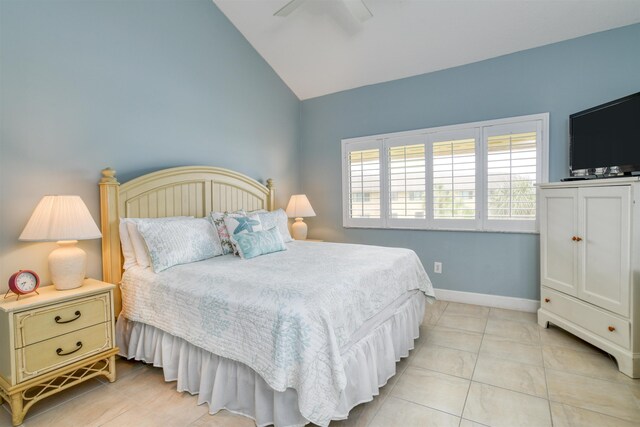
column 226, row 384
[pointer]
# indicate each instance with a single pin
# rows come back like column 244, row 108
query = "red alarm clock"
column 23, row 282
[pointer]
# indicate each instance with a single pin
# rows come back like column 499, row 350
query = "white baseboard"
column 510, row 303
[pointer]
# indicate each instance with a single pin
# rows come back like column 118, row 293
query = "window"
column 475, row 176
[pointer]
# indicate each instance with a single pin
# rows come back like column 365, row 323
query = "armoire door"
column 558, row 249
column 604, row 248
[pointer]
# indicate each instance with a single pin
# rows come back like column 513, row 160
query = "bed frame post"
column 109, row 222
column 272, row 195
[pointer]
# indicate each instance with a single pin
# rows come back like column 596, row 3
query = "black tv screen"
column 606, row 136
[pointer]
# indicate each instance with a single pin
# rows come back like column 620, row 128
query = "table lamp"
column 298, row 208
column 65, row 220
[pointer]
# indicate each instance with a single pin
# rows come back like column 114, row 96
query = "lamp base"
column 299, row 230
column 67, row 265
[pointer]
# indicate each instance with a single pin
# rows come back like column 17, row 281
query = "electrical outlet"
column 437, row 267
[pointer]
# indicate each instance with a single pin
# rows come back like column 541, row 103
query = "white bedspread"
column 286, row 315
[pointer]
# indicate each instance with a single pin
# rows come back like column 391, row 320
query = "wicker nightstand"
column 53, row 341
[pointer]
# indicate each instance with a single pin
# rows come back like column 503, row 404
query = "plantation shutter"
column 363, row 182
column 476, row 176
column 407, row 178
column 455, row 181
column 512, row 171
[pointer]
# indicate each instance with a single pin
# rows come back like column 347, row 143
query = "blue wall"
column 136, row 85
column 144, row 85
column 560, row 79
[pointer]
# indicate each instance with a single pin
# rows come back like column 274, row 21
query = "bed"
column 297, row 336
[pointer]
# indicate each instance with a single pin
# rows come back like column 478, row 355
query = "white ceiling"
column 321, row 48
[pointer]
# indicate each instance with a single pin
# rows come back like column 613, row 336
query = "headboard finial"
column 108, row 176
column 271, row 201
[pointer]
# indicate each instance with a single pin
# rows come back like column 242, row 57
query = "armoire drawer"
column 598, row 321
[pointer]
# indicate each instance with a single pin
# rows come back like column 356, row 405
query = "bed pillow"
column 251, row 245
column 179, row 242
column 137, row 242
column 218, row 221
column 241, row 224
column 277, row 218
column 127, row 246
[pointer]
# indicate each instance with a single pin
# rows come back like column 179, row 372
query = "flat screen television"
column 606, row 138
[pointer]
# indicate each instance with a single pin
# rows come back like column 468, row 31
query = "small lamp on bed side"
column 65, row 220
column 298, row 208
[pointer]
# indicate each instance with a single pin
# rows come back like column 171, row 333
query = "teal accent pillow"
column 251, row 245
column 240, row 224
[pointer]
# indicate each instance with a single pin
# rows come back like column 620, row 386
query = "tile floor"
column 472, row 366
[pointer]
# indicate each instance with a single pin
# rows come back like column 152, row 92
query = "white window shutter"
column 512, row 171
column 474, row 176
column 363, row 184
column 407, row 180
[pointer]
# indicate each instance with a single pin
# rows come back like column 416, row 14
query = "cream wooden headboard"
column 189, row 190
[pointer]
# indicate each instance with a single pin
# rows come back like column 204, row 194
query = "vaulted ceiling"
column 321, row 48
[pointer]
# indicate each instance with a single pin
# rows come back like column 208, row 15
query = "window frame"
column 482, row 131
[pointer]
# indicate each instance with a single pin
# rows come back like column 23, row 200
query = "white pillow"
column 277, row 218
column 127, row 247
column 137, row 242
column 179, row 242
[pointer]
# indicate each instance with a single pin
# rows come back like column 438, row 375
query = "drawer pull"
column 547, row 300
column 611, row 328
column 578, row 239
column 574, row 238
column 59, row 320
column 60, row 353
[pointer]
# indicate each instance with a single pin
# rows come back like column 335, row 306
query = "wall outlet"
column 437, row 267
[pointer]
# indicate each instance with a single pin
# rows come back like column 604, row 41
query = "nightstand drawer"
column 47, row 355
column 51, row 321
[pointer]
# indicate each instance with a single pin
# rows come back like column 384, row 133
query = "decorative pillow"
column 242, row 224
column 277, row 218
column 139, row 247
column 218, row 221
column 179, row 242
column 251, row 245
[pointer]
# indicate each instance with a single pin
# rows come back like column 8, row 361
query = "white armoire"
column 590, row 264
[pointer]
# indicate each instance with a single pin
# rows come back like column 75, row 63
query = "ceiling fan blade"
column 358, row 9
column 288, row 8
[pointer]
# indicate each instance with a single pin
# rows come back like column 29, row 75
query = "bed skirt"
column 226, row 384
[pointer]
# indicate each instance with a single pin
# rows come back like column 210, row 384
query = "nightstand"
column 53, row 341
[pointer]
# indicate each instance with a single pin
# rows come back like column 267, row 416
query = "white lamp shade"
column 60, row 218
column 299, row 207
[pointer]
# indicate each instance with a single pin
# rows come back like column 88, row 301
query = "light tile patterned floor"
column 472, row 366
